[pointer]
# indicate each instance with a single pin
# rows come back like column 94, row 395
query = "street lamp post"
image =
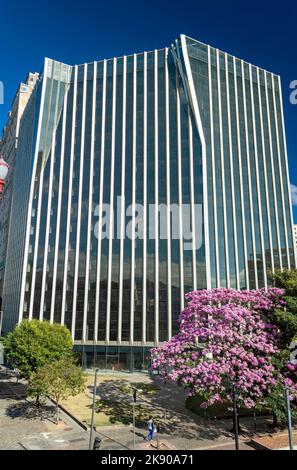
column 134, row 403
column 1, row 320
column 134, row 423
column 93, row 408
column 158, row 433
column 289, row 417
column 235, row 416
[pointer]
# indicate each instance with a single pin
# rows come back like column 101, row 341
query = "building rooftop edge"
column 164, row 48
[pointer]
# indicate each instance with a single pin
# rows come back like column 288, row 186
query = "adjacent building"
column 139, row 179
column 8, row 149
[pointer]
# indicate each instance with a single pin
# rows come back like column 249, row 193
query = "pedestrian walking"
column 151, row 429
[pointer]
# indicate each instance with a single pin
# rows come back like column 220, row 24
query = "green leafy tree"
column 286, row 280
column 34, row 343
column 58, row 380
column 286, row 319
column 275, row 399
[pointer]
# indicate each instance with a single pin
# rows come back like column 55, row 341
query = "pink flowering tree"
column 225, row 337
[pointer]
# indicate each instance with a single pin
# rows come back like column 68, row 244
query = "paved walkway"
column 166, row 441
column 181, row 428
column 23, row 427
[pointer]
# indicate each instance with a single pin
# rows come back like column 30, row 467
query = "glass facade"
column 122, row 148
column 115, row 358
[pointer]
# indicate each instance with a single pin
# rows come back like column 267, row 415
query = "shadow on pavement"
column 29, row 411
column 177, row 421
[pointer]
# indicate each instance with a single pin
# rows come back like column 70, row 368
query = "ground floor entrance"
column 114, row 358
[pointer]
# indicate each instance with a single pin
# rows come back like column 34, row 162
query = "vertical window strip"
column 192, row 199
column 273, row 173
column 168, row 199
column 31, row 197
column 223, row 170
column 80, row 189
column 51, row 162
column 112, row 182
column 264, row 155
column 50, row 190
column 262, row 243
column 156, row 153
column 102, row 169
column 180, row 200
column 122, row 223
column 57, row 239
column 250, row 189
column 277, row 128
column 43, row 147
column 134, row 111
column 241, row 177
column 214, row 188
column 294, row 264
column 232, row 175
column 90, row 204
column 73, row 133
column 145, row 197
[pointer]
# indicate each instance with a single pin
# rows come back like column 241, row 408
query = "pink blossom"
column 224, row 337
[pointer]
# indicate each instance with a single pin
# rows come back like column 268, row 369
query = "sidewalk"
column 181, row 428
column 23, row 427
column 211, row 435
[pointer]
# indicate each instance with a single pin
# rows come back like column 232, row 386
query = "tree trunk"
column 238, row 426
column 37, row 403
column 57, row 413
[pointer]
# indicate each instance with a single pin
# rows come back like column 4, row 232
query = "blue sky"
column 77, row 32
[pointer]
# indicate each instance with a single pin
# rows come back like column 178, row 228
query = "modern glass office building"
column 186, row 143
